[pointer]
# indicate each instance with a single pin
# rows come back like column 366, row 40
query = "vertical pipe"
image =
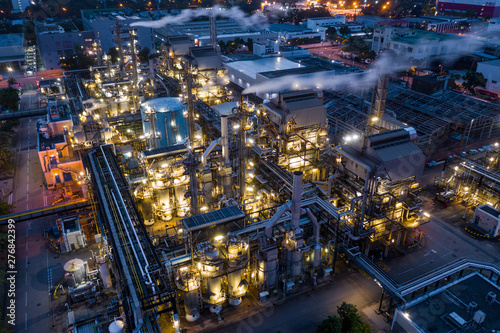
column 225, row 141
column 296, row 196
column 190, row 104
column 243, row 162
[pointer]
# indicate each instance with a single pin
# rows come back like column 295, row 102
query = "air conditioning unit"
column 472, row 307
column 479, row 317
column 491, row 297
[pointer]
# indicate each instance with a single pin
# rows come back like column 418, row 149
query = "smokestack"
column 296, row 196
column 225, row 141
column 213, row 28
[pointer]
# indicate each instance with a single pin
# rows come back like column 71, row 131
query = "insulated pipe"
column 315, row 223
column 209, row 150
column 225, row 141
column 273, row 220
column 296, row 196
column 330, row 183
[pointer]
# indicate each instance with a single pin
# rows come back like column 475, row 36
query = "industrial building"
column 55, row 42
column 466, row 304
column 12, row 50
column 423, row 46
column 201, row 198
column 104, row 23
column 480, row 8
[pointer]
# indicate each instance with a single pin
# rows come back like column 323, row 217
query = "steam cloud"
column 235, row 13
column 388, row 63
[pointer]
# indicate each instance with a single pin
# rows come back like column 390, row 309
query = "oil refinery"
column 197, row 197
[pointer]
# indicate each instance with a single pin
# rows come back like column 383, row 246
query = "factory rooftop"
column 447, row 308
column 419, row 36
column 253, row 67
column 11, row 47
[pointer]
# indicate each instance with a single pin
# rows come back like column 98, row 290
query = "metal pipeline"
column 224, row 136
column 209, row 150
column 296, row 197
column 316, row 225
column 330, row 182
column 273, row 220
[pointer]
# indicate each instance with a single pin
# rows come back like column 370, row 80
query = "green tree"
column 331, row 32
column 114, row 54
column 330, row 325
column 5, row 208
column 344, row 30
column 79, row 60
column 6, row 160
column 144, row 55
column 9, row 98
column 348, row 321
column 473, row 80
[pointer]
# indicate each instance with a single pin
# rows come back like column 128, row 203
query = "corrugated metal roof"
column 87, row 328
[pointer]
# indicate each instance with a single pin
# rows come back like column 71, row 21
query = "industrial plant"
column 200, row 199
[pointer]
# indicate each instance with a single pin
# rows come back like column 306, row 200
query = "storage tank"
column 102, row 262
column 294, row 263
column 210, row 267
column 237, row 261
column 188, row 281
column 268, row 266
column 169, row 120
column 75, row 272
column 117, row 326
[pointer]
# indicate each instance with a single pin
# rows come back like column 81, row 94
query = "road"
column 442, row 245
column 29, row 191
column 302, row 313
column 32, row 280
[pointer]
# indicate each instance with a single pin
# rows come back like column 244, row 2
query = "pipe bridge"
column 145, row 283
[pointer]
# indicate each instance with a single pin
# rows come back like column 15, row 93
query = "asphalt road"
column 32, row 280
column 29, row 190
column 302, row 313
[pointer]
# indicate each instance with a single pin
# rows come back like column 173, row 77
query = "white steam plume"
column 235, row 13
column 388, row 63
column 328, row 80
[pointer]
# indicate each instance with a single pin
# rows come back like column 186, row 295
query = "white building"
column 316, row 22
column 421, row 45
column 487, row 219
column 268, row 47
column 247, row 73
column 491, row 72
column 494, row 24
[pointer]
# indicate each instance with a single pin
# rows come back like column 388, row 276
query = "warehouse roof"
column 444, row 310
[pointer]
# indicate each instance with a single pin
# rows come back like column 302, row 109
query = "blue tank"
column 170, row 125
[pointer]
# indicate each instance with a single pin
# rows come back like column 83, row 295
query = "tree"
column 6, row 160
column 144, row 55
column 9, row 98
column 12, row 80
column 5, row 208
column 348, row 321
column 330, row 325
column 114, row 54
column 344, row 30
column 79, row 60
column 473, row 80
column 331, row 32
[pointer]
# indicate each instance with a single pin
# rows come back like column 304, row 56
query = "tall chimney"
column 225, row 141
column 296, row 196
